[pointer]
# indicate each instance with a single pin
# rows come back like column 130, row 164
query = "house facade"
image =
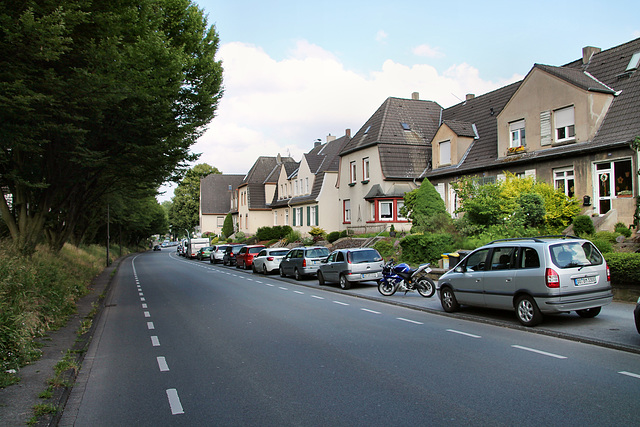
column 217, row 198
column 384, row 160
column 569, row 126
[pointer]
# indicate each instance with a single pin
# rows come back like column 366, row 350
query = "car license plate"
column 368, row 275
column 586, row 280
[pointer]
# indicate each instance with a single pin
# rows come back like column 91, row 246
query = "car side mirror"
column 460, row 269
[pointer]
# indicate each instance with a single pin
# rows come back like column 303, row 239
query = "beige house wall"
column 459, row 146
column 209, row 222
column 361, row 209
column 541, row 92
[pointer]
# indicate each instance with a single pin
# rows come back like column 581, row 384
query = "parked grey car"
column 346, row 266
column 268, row 260
column 303, row 261
column 533, row 276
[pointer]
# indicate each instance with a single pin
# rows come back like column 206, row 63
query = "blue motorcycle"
column 402, row 277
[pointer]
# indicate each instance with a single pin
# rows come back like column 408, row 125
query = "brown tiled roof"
column 461, row 128
column 405, row 127
column 214, row 192
column 264, row 170
column 577, row 77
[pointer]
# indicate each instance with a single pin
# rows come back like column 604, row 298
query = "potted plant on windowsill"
column 516, row 150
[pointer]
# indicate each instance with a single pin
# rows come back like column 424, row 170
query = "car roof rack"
column 537, row 239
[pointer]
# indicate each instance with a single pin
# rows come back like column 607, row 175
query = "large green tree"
column 185, row 208
column 98, row 99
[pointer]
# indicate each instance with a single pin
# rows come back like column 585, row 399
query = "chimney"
column 588, row 52
column 330, row 138
column 415, row 96
column 318, row 142
column 347, row 133
column 469, row 96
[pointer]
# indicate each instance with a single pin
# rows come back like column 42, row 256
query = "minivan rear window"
column 370, row 255
column 317, row 253
column 575, row 254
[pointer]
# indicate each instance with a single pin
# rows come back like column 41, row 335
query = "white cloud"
column 381, row 36
column 272, row 107
column 427, row 51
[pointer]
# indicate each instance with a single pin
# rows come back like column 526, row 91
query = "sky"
column 297, row 71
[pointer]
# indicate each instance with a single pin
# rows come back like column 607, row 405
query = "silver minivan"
column 350, row 265
column 533, row 276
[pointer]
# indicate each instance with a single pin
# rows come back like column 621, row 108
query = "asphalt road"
column 188, row 343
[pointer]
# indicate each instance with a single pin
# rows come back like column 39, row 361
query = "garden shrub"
column 292, row 237
column 624, row 268
column 622, row 229
column 603, row 245
column 317, row 233
column 385, row 248
column 421, row 248
column 276, row 232
column 582, row 225
column 333, row 236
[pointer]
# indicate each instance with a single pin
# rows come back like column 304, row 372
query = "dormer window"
column 564, row 121
column 634, row 63
column 445, row 153
column 517, row 138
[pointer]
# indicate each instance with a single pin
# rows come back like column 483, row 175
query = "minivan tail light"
column 608, row 273
column 552, row 279
column 304, row 262
column 349, row 257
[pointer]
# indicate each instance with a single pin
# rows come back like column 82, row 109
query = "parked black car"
column 230, row 253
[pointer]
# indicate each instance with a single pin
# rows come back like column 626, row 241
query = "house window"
column 365, row 169
column 275, row 218
column 306, row 185
column 516, row 131
column 445, row 153
column 564, row 121
column 352, row 173
column 297, row 217
column 295, row 193
column 286, row 217
column 312, row 218
column 281, row 191
column 564, row 181
column 399, row 205
column 220, row 221
column 614, row 180
column 385, row 207
column 347, row 211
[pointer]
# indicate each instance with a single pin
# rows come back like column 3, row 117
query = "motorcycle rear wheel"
column 426, row 287
column 385, row 288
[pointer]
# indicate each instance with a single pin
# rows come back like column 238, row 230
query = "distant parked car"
column 532, row 276
column 244, row 259
column 636, row 315
column 156, row 248
column 217, row 254
column 268, row 260
column 350, row 265
column 204, row 253
column 230, row 253
column 303, row 261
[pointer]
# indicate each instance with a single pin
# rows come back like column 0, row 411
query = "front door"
column 604, row 187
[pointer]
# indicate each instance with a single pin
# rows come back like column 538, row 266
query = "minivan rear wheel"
column 344, row 283
column 589, row 312
column 297, row 275
column 527, row 311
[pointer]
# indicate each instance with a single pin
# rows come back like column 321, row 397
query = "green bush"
column 622, row 229
column 603, row 245
column 344, row 233
column 333, row 236
column 292, row 237
column 385, row 248
column 624, row 268
column 582, row 225
column 421, row 248
column 276, row 232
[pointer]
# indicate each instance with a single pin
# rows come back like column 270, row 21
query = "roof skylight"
column 406, row 126
column 634, row 63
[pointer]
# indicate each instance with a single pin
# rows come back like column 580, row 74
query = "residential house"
column 256, row 191
column 218, row 197
column 383, row 161
column 570, row 126
column 309, row 189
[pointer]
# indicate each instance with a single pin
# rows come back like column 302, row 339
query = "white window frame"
column 565, row 175
column 352, row 172
column 220, row 221
column 399, row 205
column 346, row 211
column 517, row 134
column 390, row 211
column 312, row 215
column 365, row 169
column 445, row 152
column 306, row 183
column 275, row 217
column 564, row 121
column 286, row 217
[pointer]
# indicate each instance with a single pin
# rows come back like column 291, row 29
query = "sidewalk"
column 17, row 401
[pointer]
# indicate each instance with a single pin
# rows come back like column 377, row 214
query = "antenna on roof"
column 459, row 99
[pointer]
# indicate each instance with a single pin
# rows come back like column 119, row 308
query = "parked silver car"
column 350, row 265
column 531, row 276
column 217, row 254
column 268, row 260
column 303, row 261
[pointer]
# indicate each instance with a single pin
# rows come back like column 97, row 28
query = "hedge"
column 625, row 268
column 421, row 248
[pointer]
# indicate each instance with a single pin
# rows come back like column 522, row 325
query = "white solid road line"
column 466, row 334
column 544, row 353
column 174, row 402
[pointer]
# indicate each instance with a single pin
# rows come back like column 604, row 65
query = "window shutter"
column 317, row 216
column 308, row 215
column 295, row 214
column 545, row 128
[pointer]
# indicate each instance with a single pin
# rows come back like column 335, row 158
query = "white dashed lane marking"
column 544, row 353
column 466, row 334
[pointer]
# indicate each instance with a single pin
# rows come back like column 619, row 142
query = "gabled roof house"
column 217, row 198
column 383, row 161
column 569, row 125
